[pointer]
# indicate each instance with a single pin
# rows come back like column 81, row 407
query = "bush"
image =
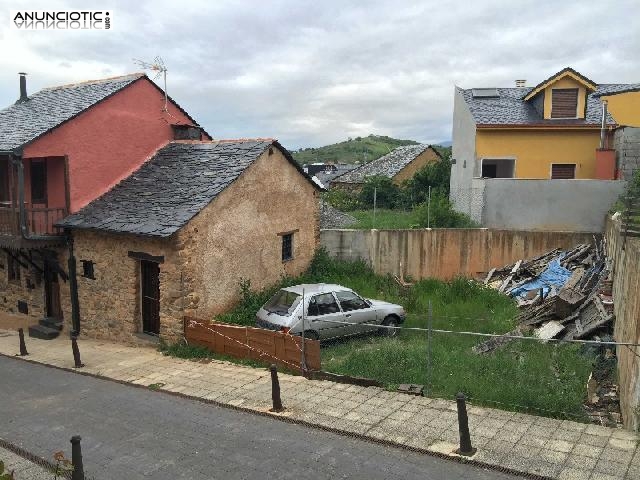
column 440, row 214
column 342, row 200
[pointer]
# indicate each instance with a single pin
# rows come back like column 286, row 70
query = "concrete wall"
column 625, row 260
column 549, row 205
column 443, row 253
column 463, row 152
column 626, row 142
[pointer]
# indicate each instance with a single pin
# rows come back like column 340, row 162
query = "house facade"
column 553, row 131
column 61, row 148
column 401, row 164
column 179, row 236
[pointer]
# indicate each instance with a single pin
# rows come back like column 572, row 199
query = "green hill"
column 356, row 150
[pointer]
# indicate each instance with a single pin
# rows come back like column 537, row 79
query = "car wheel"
column 389, row 321
column 311, row 335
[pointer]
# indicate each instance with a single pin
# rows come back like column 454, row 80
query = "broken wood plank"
column 489, row 275
column 514, row 270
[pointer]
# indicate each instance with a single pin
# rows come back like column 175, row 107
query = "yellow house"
column 550, row 131
column 624, row 105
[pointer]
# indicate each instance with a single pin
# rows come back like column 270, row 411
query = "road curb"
column 294, row 421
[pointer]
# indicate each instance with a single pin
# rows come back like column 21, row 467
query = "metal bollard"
column 275, row 390
column 76, row 352
column 23, row 346
column 463, row 427
column 76, row 458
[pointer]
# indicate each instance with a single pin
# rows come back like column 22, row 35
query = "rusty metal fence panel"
column 254, row 343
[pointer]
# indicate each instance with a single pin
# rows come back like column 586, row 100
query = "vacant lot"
column 524, row 375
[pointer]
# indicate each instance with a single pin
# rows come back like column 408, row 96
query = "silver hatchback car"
column 327, row 311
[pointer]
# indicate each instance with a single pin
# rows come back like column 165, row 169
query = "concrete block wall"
column 625, row 259
column 626, row 142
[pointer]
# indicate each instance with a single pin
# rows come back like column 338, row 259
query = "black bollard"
column 76, row 459
column 463, row 427
column 275, row 390
column 23, row 346
column 76, row 352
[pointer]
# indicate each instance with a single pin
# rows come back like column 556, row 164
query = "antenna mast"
column 160, row 68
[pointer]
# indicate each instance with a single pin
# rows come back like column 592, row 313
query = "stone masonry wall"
column 13, row 291
column 110, row 303
column 237, row 236
column 626, row 142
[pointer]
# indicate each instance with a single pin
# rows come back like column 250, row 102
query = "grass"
column 546, row 379
column 385, row 219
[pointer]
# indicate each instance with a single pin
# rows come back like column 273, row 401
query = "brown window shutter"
column 564, row 102
column 563, row 170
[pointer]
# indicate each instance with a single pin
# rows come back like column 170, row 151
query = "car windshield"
column 283, row 303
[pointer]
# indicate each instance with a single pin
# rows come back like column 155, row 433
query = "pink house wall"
column 109, row 141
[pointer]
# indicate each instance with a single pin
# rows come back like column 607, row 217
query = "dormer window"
column 186, row 132
column 564, row 103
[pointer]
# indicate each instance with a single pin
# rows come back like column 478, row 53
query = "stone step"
column 50, row 322
column 44, row 333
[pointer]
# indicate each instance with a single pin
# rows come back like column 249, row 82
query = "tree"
column 386, row 192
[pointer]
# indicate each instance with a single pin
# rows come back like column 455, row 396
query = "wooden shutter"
column 563, row 170
column 564, row 103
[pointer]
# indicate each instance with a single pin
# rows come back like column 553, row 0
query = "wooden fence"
column 253, row 343
column 631, row 217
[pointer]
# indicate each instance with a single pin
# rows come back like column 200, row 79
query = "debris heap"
column 561, row 294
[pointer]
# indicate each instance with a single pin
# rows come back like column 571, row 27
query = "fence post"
column 275, row 390
column 23, row 346
column 463, row 427
column 76, row 458
column 429, row 319
column 76, row 352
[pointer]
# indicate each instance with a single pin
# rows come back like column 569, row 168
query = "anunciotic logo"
column 60, row 20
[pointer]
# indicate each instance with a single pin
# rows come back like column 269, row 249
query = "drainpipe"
column 73, row 283
column 603, row 128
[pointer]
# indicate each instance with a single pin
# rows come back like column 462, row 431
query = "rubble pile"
column 561, row 294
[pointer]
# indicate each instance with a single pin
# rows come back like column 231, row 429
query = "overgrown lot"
column 524, row 375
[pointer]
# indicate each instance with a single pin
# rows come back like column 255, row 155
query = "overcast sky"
column 316, row 72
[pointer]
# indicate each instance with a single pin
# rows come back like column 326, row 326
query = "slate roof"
column 23, row 122
column 510, row 108
column 389, row 165
column 167, row 191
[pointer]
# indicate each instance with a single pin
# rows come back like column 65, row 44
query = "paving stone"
column 587, row 450
column 617, row 455
column 559, row 446
column 611, row 468
column 595, row 440
column 568, row 473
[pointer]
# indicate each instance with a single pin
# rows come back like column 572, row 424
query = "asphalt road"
column 132, row 433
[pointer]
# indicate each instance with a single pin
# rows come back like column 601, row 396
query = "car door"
column 357, row 310
column 322, row 312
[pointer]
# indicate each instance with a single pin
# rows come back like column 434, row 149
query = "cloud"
column 311, row 73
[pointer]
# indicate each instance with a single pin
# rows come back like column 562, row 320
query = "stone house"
column 61, row 148
column 401, row 164
column 178, row 236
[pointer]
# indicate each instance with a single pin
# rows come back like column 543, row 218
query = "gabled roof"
column 389, row 165
column 565, row 72
column 617, row 89
column 49, row 108
column 167, row 191
column 510, row 109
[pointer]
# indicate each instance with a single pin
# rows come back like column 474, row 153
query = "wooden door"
column 150, row 293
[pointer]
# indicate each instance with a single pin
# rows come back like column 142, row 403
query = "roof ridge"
column 239, row 140
column 94, row 82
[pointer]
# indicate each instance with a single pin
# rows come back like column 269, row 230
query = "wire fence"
column 516, row 371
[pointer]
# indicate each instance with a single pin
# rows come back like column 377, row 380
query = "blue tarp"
column 555, row 275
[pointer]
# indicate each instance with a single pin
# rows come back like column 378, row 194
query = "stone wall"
column 444, row 253
column 418, row 163
column 625, row 258
column 110, row 303
column 29, row 289
column 238, row 236
column 626, row 142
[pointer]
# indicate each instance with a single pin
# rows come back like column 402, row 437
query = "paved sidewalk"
column 535, row 445
column 23, row 469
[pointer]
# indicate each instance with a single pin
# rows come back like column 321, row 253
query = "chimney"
column 23, row 88
column 521, row 83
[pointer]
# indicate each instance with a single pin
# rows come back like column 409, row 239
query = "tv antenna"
column 160, row 68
